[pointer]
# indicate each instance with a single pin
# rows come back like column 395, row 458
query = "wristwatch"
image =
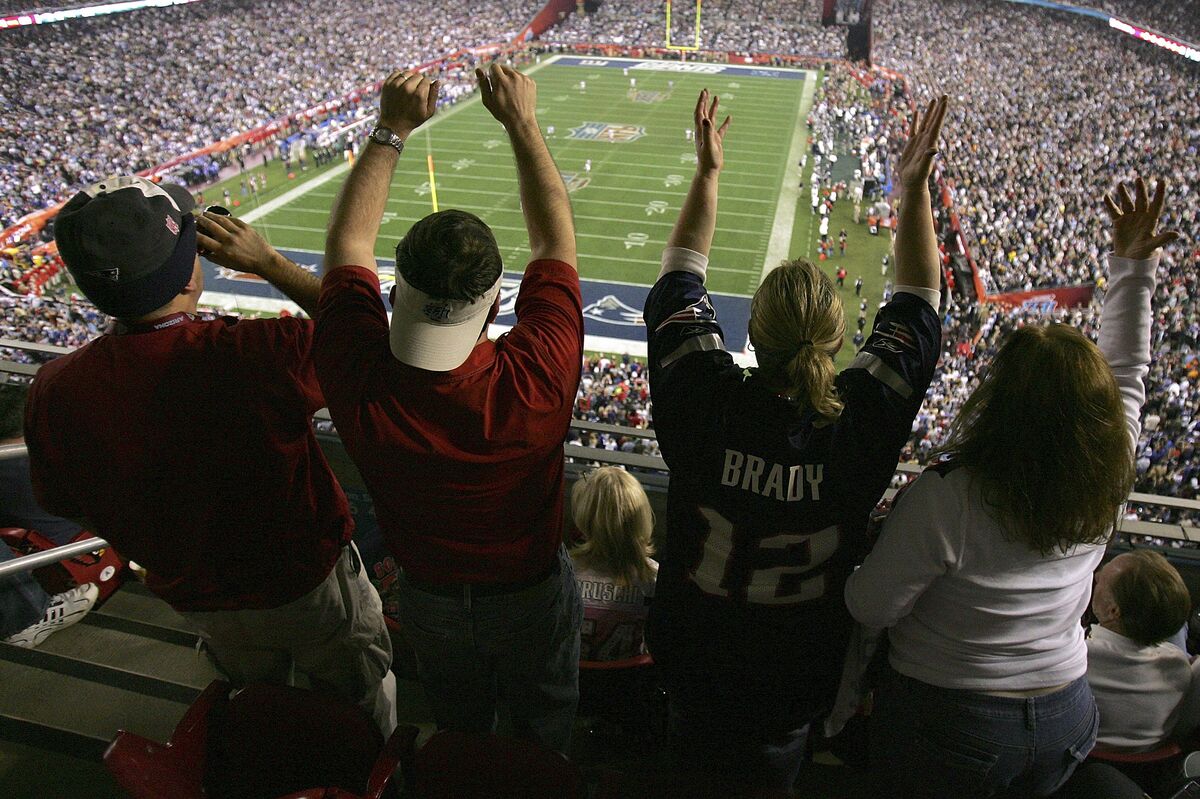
column 384, row 135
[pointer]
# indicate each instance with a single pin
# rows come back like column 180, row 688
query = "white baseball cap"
column 435, row 333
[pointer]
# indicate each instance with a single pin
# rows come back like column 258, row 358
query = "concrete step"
column 74, row 715
column 132, row 654
column 150, row 616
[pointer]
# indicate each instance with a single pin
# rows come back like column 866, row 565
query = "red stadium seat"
column 625, row 695
column 1158, row 755
column 148, row 770
column 1154, row 771
column 460, row 765
column 105, row 569
column 267, row 741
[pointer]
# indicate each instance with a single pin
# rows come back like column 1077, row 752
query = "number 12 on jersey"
column 762, row 569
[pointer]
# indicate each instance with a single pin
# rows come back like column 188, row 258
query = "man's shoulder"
column 78, row 361
column 548, row 270
column 241, row 335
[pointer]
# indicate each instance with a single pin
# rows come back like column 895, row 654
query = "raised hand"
column 406, row 101
column 508, row 95
column 916, row 161
column 1134, row 219
column 710, row 151
column 228, row 241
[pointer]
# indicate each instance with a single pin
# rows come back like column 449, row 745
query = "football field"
column 618, row 131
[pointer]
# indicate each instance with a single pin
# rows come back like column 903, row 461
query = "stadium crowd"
column 1029, row 218
column 749, row 26
column 418, row 402
column 122, row 107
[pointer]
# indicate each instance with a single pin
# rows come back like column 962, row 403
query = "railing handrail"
column 53, row 555
column 655, row 463
column 34, row 346
column 1178, row 532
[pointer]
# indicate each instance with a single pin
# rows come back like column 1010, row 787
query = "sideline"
column 789, row 191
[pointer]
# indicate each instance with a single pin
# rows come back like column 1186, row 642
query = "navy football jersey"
column 768, row 503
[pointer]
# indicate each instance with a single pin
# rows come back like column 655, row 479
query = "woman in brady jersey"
column 774, row 471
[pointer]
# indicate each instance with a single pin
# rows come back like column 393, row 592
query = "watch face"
column 382, row 135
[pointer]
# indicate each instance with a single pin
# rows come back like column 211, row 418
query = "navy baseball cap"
column 129, row 243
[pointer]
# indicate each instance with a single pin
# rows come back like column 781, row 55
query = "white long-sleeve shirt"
column 969, row 608
column 1139, row 689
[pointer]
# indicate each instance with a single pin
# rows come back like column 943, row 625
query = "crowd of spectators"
column 124, row 106
column 1038, row 136
column 777, row 27
column 70, row 322
column 1040, row 133
column 1165, row 16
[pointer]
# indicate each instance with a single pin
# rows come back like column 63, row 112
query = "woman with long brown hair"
column 984, row 567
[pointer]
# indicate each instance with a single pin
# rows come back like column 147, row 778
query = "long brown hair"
column 1045, row 435
column 796, row 326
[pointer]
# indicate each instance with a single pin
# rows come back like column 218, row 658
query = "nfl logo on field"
column 606, row 131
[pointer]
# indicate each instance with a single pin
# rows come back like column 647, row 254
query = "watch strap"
column 392, row 139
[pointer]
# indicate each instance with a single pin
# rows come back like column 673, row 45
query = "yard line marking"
column 586, row 217
column 600, row 236
column 789, row 189
column 391, row 262
column 575, row 200
column 298, row 192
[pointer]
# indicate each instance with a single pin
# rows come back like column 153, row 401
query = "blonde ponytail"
column 811, row 374
column 796, row 326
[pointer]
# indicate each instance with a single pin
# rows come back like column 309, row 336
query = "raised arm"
column 230, row 242
column 916, row 240
column 511, row 97
column 406, row 101
column 1126, row 315
column 698, row 216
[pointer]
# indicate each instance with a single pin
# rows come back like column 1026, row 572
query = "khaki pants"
column 335, row 635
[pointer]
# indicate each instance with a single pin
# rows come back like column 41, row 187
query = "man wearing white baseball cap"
column 458, row 437
column 187, row 443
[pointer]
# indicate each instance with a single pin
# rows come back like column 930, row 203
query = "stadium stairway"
column 129, row 664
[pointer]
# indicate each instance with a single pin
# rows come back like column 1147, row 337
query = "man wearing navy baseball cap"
column 188, row 444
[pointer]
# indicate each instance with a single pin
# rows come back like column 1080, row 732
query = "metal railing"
column 652, row 471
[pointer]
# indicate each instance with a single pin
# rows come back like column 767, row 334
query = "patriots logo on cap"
column 436, row 311
column 172, row 226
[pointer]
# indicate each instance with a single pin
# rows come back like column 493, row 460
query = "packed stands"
column 126, row 107
column 1165, row 16
column 757, row 26
column 1042, row 133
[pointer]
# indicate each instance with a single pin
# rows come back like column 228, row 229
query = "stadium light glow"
column 48, row 17
column 695, row 46
column 1165, row 42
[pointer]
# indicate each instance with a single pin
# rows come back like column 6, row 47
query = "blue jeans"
column 729, row 740
column 519, row 648
column 22, row 600
column 935, row 742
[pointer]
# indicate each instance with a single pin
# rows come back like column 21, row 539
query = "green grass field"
column 627, row 202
